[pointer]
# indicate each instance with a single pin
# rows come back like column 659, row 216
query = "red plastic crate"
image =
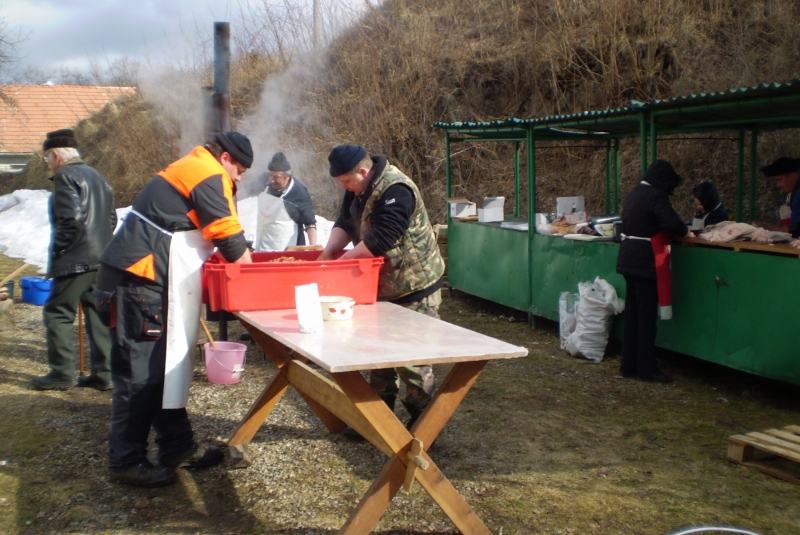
column 265, row 285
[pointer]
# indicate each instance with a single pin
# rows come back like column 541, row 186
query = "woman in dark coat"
column 709, row 208
column 648, row 221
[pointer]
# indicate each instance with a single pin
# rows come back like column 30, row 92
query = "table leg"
column 444, row 403
column 374, row 503
column 447, row 398
column 274, row 391
column 259, row 411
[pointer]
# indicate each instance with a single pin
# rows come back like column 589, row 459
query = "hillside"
column 411, row 63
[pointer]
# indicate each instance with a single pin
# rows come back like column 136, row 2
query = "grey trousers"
column 59, row 316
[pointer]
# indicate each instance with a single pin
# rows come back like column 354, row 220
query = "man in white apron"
column 284, row 210
column 150, row 282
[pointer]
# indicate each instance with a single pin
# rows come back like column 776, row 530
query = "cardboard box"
column 492, row 210
column 565, row 205
column 460, row 207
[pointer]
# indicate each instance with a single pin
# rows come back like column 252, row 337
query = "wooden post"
column 80, row 337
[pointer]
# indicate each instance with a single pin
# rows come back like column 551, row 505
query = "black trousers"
column 138, row 360
column 639, row 328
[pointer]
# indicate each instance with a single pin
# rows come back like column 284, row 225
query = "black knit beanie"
column 238, row 146
column 279, row 163
column 60, row 138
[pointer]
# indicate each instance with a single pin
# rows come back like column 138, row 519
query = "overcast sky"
column 72, row 33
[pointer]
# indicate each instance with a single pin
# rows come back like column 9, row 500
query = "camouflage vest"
column 414, row 262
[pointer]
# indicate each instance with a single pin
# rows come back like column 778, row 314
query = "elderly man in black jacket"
column 82, row 221
column 648, row 221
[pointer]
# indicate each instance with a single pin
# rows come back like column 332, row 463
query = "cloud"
column 74, row 33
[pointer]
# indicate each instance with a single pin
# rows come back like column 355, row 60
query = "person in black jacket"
column 647, row 213
column 82, row 221
column 709, row 207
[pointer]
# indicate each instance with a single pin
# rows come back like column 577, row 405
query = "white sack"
column 597, row 305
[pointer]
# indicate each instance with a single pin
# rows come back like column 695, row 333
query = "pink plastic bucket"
column 225, row 364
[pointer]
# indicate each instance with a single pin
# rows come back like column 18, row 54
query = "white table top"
column 382, row 335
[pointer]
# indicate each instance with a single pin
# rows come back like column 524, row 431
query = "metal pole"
column 653, row 139
column 531, row 170
column 740, row 177
column 753, row 172
column 222, row 106
column 447, row 162
column 616, row 176
column 643, row 141
column 608, row 176
column 222, row 76
column 517, row 206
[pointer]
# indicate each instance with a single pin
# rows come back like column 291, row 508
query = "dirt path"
column 545, row 444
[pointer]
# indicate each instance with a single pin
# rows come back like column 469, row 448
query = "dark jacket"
column 82, row 219
column 713, row 211
column 194, row 192
column 646, row 212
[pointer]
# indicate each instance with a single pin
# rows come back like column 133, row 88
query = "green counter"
column 486, row 260
column 731, row 308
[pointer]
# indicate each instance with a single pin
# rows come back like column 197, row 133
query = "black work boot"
column 143, row 474
column 93, row 381
column 46, row 382
column 351, row 434
column 414, row 412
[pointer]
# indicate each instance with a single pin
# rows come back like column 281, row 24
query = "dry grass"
column 410, row 63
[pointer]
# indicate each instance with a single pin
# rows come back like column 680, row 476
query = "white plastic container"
column 336, row 307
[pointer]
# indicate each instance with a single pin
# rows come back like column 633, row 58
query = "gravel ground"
column 546, row 444
column 301, row 475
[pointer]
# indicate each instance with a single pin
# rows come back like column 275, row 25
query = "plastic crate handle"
column 232, row 270
column 365, row 265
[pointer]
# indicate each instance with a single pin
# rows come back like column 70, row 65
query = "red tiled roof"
column 38, row 109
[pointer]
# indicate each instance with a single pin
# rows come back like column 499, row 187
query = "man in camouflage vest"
column 383, row 215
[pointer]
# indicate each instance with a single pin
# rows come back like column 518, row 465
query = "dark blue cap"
column 344, row 158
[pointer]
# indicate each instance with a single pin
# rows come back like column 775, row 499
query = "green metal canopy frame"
column 749, row 109
column 528, row 271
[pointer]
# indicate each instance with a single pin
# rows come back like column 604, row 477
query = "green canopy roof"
column 761, row 107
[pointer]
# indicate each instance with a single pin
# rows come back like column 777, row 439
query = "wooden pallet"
column 755, row 449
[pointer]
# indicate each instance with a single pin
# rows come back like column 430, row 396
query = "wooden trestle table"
column 378, row 336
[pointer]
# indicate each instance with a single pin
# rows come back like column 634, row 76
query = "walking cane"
column 80, row 337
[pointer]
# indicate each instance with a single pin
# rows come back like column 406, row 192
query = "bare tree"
column 10, row 38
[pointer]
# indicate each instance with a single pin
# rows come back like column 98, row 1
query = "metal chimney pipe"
column 221, row 98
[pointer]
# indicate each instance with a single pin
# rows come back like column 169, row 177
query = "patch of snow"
column 25, row 225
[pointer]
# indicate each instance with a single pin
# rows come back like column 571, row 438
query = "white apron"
column 700, row 223
column 276, row 230
column 785, row 211
column 187, row 253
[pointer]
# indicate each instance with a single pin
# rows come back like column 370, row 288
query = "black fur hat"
column 60, row 138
